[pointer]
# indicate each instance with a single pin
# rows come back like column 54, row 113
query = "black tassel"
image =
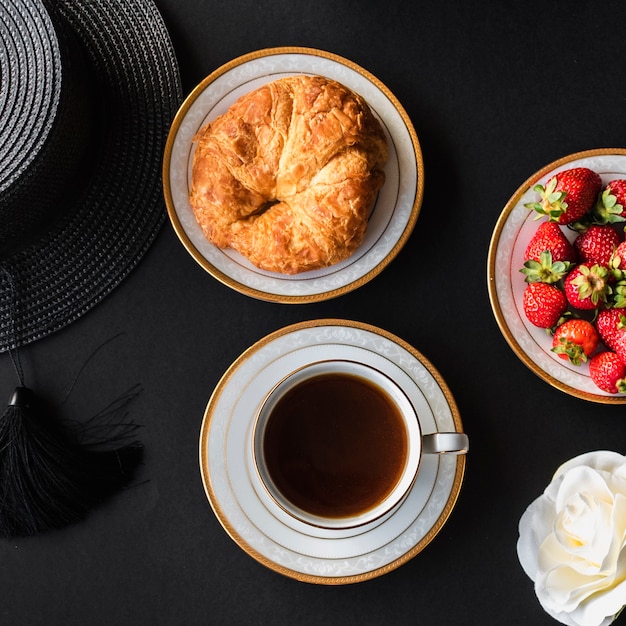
column 53, row 471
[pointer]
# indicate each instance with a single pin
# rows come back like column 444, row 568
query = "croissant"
column 287, row 175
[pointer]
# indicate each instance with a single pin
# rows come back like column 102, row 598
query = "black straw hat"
column 88, row 89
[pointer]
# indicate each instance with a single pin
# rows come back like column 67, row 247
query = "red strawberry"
column 550, row 237
column 617, row 188
column 543, row 304
column 619, row 345
column 611, row 323
column 575, row 340
column 568, row 195
column 587, row 286
column 619, row 257
column 608, row 372
column 611, row 206
column 597, row 244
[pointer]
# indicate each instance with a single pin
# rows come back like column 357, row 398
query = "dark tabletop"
column 495, row 92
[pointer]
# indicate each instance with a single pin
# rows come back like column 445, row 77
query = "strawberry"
column 568, row 195
column 617, row 266
column 608, row 372
column 617, row 187
column 611, row 323
column 619, row 257
column 543, row 304
column 619, row 346
column 587, row 286
column 549, row 237
column 597, row 244
column 575, row 340
column 611, row 206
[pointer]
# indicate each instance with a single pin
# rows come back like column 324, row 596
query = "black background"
column 495, row 92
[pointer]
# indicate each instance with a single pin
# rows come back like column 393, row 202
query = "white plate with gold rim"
column 257, row 524
column 392, row 217
column 514, row 229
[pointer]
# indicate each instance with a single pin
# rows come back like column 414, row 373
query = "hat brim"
column 117, row 216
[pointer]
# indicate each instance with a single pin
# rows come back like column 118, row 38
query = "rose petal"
column 602, row 608
column 534, row 526
column 576, row 618
column 583, row 528
column 563, row 588
column 620, row 473
column 552, row 555
column 602, row 460
column 582, row 480
column 564, row 618
column 617, row 532
column 616, row 481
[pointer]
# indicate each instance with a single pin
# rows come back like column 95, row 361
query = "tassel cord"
column 12, row 341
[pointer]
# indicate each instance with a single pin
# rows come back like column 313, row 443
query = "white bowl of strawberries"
column 557, row 274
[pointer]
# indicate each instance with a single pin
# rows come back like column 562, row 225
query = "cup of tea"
column 337, row 444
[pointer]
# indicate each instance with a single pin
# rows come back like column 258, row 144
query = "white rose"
column 572, row 541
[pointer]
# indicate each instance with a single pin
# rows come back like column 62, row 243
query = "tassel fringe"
column 52, row 473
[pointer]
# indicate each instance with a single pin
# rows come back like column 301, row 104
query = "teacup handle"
column 445, row 443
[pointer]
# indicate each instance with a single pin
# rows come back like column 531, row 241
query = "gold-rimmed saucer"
column 392, row 217
column 321, row 555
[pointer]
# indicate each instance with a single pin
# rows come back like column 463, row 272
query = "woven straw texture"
column 114, row 216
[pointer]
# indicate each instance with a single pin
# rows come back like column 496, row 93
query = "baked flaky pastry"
column 287, row 175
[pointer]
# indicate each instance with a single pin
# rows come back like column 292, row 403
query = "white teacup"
column 338, row 444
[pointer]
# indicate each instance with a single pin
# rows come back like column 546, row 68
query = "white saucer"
column 251, row 517
column 392, row 217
